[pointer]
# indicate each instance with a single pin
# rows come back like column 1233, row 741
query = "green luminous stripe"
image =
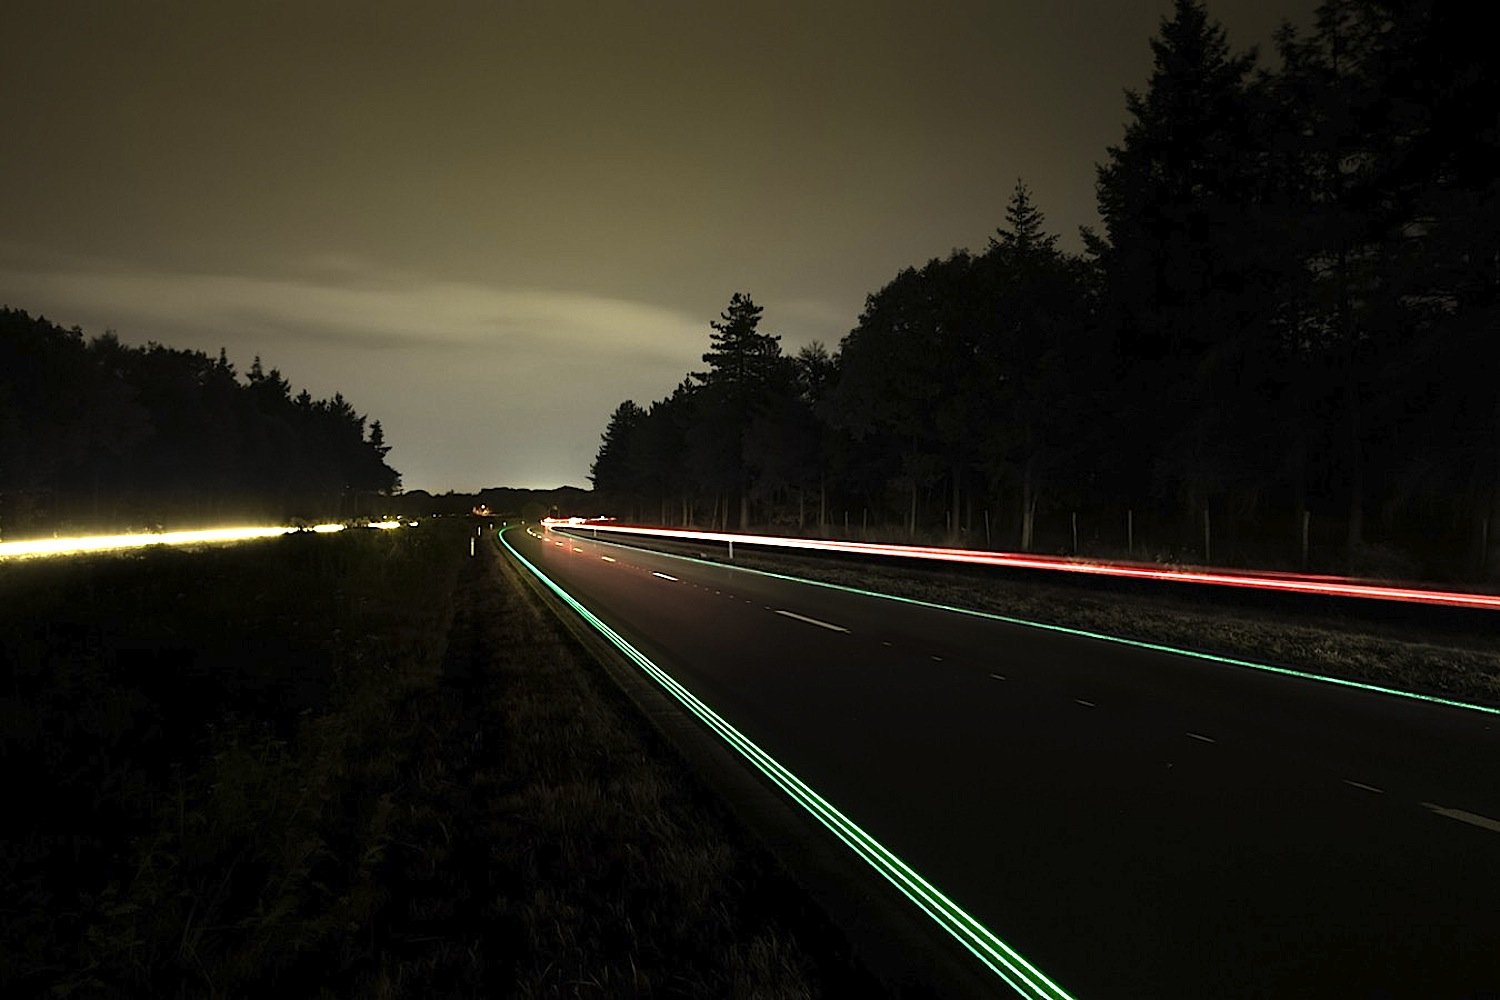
column 1085, row 634
column 996, row 955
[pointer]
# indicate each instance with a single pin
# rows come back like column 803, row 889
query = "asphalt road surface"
column 1134, row 823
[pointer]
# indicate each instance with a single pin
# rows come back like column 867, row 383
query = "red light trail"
column 1297, row 583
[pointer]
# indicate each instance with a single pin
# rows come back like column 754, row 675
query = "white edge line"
column 979, row 940
column 1121, row 640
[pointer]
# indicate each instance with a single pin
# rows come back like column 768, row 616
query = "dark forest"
column 1279, row 350
column 97, row 434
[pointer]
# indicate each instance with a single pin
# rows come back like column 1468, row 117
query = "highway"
column 1134, row 823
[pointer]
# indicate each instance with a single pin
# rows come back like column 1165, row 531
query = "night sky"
column 488, row 224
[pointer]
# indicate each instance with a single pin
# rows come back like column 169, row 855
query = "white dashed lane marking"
column 811, row 621
column 1464, row 816
column 1461, row 815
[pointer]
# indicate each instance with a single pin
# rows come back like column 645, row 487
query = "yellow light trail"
column 84, row 544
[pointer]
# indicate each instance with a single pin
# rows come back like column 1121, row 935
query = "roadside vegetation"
column 98, row 436
column 1277, row 350
column 358, row 764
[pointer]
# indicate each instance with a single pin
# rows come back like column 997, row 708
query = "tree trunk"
column 1489, row 542
column 1028, row 507
column 1356, row 473
column 957, row 504
column 1299, row 494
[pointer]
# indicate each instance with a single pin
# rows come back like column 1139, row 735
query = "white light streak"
column 85, row 544
column 82, row 544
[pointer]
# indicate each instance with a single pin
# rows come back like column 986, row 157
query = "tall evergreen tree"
column 743, row 366
column 1184, row 262
column 614, row 471
column 740, row 358
column 1033, row 371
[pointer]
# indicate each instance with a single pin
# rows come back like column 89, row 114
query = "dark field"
column 360, row 764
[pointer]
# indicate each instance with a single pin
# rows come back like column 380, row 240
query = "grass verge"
column 359, row 764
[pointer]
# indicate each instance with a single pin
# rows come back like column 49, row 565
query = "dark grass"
column 358, row 764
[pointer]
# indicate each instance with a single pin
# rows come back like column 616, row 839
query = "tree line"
column 95, row 433
column 1282, row 348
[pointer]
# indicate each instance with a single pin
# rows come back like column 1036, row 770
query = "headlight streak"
column 1299, row 583
column 995, row 954
column 86, row 544
column 1101, row 636
column 83, row 544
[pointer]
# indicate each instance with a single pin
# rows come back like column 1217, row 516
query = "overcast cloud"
column 486, row 224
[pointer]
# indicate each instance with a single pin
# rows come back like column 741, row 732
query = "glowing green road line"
column 1085, row 634
column 996, row 955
